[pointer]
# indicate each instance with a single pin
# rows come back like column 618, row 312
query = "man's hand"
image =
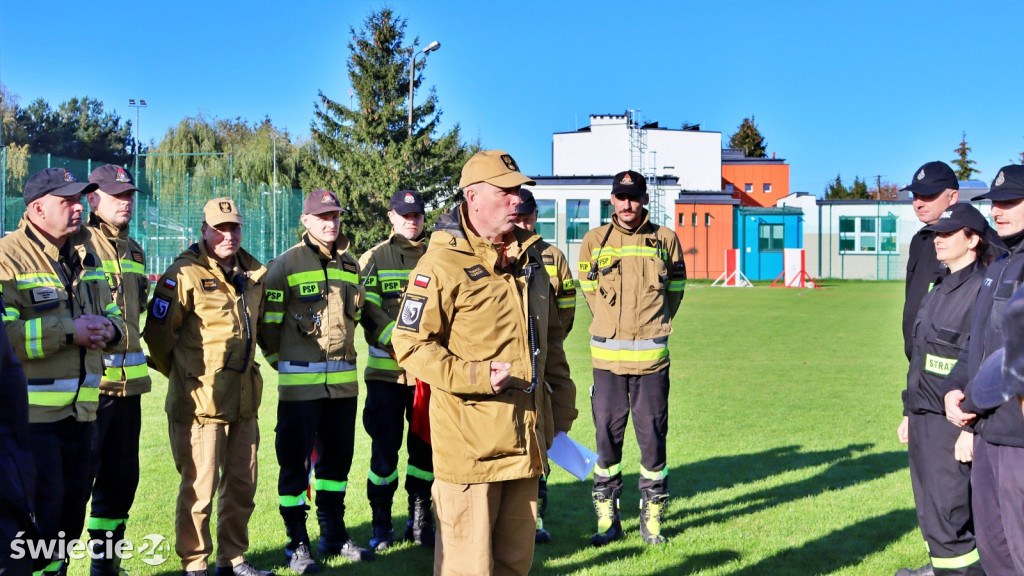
column 963, row 450
column 954, row 414
column 93, row 331
column 500, row 376
column 903, row 430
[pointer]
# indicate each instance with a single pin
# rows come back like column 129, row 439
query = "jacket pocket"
column 493, row 428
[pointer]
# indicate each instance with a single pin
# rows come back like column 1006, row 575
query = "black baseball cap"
column 407, row 202
column 1001, row 376
column 321, row 202
column 932, row 178
column 960, row 216
column 112, row 179
column 527, row 203
column 1007, row 185
column 631, row 183
column 56, row 181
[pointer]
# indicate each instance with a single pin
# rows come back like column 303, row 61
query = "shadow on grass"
column 686, row 565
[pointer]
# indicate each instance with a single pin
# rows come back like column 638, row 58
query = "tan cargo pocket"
column 492, row 428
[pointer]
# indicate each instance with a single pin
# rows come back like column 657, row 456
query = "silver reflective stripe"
column 286, row 367
column 130, row 359
column 378, row 353
column 611, row 344
column 67, row 384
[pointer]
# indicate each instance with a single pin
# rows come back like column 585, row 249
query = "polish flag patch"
column 169, row 284
column 421, row 281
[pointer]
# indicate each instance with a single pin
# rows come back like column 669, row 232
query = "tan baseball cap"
column 494, row 167
column 221, row 210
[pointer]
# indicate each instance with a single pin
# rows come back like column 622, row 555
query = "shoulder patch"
column 275, row 295
column 568, row 284
column 169, row 284
column 652, row 242
column 43, row 294
column 160, row 307
column 350, row 267
column 137, row 257
column 548, row 259
column 584, row 266
column 412, row 313
column 210, row 284
column 476, row 272
column 421, row 281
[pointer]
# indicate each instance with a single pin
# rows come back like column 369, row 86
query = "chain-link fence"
column 169, row 207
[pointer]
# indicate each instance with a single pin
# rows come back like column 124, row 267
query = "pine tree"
column 964, row 168
column 836, row 190
column 748, row 138
column 364, row 153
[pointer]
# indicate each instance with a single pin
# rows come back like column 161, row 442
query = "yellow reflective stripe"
column 271, row 358
column 34, row 338
column 291, row 501
column 613, row 470
column 381, row 480
column 588, row 285
column 318, row 276
column 89, row 395
column 609, row 252
column 660, row 474
column 129, row 373
column 382, row 363
column 331, row 485
column 393, row 274
column 628, row 355
column 273, row 317
column 93, row 276
column 133, row 267
column 552, row 270
column 567, row 302
column 676, row 285
column 313, row 378
column 111, row 310
column 51, row 398
column 958, row 562
column 938, row 364
column 12, row 314
column 373, row 298
column 36, row 280
column 420, row 473
column 385, row 336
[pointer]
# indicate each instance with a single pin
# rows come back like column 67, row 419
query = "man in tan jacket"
column 479, row 323
column 201, row 335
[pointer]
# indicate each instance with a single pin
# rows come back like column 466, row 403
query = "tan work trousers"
column 214, row 459
column 485, row 528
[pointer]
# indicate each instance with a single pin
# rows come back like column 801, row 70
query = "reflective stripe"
column 272, row 357
column 333, row 372
column 37, row 280
column 385, row 336
column 676, row 285
column 958, row 562
column 318, row 276
column 112, row 524
column 659, row 475
column 415, row 472
column 552, row 270
column 359, row 315
column 628, row 350
column 331, row 485
column 567, row 302
column 588, row 285
column 61, row 392
column 381, row 360
column 126, row 267
column 93, row 276
column 129, row 359
column 381, row 480
column 373, row 298
column 133, row 365
column 273, row 317
column 34, row 338
column 938, row 364
column 112, row 310
column 127, row 373
column 609, row 472
column 292, row 501
column 609, row 252
column 12, row 314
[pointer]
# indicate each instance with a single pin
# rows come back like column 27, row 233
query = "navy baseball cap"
column 960, row 216
column 932, row 178
column 1007, row 185
column 56, row 181
column 527, row 203
column 321, row 202
column 407, row 202
column 629, row 182
column 1001, row 376
column 112, row 179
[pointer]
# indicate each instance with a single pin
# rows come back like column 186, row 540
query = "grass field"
column 782, row 450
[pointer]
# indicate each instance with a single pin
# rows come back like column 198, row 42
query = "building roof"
column 783, row 210
column 735, row 156
column 706, row 197
column 593, row 180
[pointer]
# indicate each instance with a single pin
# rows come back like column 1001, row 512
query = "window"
column 867, row 234
column 730, row 188
column 682, row 220
column 748, row 188
column 767, row 188
column 547, row 223
column 577, row 216
column 771, row 237
column 694, row 219
column 606, row 211
column 707, row 220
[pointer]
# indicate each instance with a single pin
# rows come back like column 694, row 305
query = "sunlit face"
column 223, row 240
column 629, row 209
column 956, row 249
column 929, row 208
column 492, row 210
column 527, row 221
column 117, row 209
column 1008, row 216
column 323, row 228
column 409, row 226
column 57, row 216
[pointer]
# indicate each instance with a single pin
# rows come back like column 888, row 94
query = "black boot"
column 383, row 533
column 543, row 535
column 103, row 560
column 334, row 539
column 420, row 526
column 300, row 557
column 609, row 527
column 652, row 514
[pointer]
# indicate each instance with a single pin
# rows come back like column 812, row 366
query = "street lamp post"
column 412, row 71
column 132, row 103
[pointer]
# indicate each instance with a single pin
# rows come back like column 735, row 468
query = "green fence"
column 169, row 208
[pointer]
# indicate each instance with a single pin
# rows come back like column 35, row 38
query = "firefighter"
column 60, row 312
column 632, row 276
column 479, row 325
column 314, row 301
column 564, row 287
column 200, row 330
column 125, row 375
column 389, row 391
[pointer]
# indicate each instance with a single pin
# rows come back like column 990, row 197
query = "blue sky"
column 857, row 88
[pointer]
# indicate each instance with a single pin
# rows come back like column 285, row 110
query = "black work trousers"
column 388, row 408
column 116, row 451
column 327, row 423
column 998, row 499
column 17, row 483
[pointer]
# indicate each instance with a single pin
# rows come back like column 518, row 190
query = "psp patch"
column 210, row 284
column 275, row 295
column 412, row 313
column 476, row 272
column 568, row 284
column 160, row 307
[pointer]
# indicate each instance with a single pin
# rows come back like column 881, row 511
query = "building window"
column 694, row 220
column 867, row 234
column 767, row 188
column 730, row 188
column 771, row 237
column 707, row 220
column 547, row 222
column 748, row 188
column 606, row 211
column 577, row 216
column 682, row 220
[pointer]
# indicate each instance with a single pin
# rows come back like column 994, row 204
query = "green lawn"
column 782, row 451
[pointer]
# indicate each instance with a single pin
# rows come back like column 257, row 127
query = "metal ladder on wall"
column 637, row 152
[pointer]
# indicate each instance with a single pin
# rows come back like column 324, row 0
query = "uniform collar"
column 953, row 281
column 107, row 229
column 644, row 222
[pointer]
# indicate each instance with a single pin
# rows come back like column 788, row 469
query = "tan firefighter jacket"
column 562, row 282
column 307, row 331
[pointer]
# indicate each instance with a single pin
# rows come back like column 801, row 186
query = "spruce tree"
column 964, row 168
column 748, row 138
column 364, row 153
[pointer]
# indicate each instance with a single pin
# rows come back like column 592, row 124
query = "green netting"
column 169, row 209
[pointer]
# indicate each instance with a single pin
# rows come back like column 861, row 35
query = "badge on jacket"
column 160, row 307
column 412, row 313
column 210, row 284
